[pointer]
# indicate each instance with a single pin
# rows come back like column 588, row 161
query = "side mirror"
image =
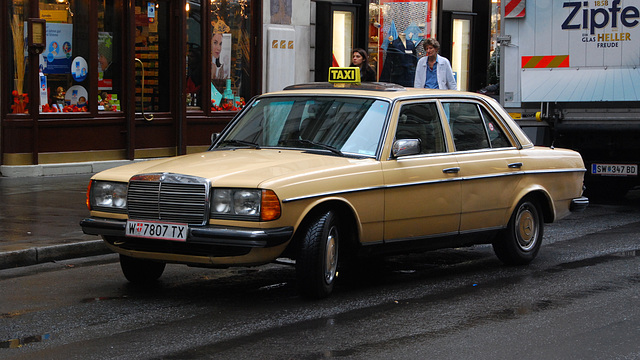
column 405, row 147
column 214, row 137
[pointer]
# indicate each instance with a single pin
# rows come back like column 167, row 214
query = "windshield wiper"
column 242, row 142
column 324, row 146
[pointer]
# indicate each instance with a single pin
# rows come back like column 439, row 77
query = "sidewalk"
column 39, row 220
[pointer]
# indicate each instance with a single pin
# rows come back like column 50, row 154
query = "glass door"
column 152, row 49
column 343, row 32
column 335, row 36
column 461, row 51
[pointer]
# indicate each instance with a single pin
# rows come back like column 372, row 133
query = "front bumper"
column 579, row 204
column 201, row 240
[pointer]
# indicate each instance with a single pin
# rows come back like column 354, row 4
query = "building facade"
column 86, row 80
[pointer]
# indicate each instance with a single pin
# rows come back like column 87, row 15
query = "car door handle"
column 517, row 165
column 452, row 170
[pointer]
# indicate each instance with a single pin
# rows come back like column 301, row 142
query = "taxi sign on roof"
column 344, row 75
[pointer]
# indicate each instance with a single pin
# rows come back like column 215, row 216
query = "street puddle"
column 273, row 286
column 596, row 260
column 630, row 253
column 10, row 315
column 102, row 298
column 16, row 343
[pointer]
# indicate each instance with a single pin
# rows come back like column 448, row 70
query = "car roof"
column 375, row 89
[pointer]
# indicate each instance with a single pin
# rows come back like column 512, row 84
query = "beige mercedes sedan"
column 324, row 174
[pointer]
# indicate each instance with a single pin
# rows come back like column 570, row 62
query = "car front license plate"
column 614, row 169
column 157, row 230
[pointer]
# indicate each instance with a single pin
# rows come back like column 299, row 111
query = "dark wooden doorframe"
column 177, row 106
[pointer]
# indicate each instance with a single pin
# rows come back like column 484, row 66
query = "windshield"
column 343, row 125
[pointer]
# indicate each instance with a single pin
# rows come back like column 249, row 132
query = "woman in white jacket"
column 434, row 71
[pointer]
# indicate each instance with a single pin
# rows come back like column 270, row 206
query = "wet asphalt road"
column 579, row 299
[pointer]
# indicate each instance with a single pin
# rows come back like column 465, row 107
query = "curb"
column 75, row 168
column 39, row 255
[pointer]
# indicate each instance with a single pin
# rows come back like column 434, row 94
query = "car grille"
column 169, row 198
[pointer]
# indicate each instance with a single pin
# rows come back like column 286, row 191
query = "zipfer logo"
column 583, row 17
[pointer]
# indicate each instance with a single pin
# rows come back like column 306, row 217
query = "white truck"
column 570, row 75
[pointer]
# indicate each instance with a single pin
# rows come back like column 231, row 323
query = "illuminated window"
column 64, row 63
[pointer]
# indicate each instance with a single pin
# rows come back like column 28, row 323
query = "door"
column 335, row 33
column 422, row 196
column 489, row 165
column 158, row 83
column 152, row 48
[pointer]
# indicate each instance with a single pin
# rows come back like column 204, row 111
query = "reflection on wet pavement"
column 42, row 211
column 16, row 343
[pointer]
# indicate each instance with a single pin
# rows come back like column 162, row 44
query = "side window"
column 497, row 137
column 467, row 126
column 421, row 121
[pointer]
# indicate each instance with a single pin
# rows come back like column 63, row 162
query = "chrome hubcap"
column 527, row 232
column 331, row 256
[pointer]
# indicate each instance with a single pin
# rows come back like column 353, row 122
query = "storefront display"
column 109, row 69
column 396, row 31
column 151, row 33
column 116, row 79
column 230, row 29
column 19, row 57
column 113, row 79
column 63, row 62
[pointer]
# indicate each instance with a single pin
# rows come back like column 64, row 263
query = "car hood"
column 243, row 167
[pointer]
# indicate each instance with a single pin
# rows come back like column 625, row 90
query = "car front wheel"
column 520, row 242
column 141, row 271
column 317, row 261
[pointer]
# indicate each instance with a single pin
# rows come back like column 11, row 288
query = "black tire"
column 520, row 242
column 141, row 271
column 317, row 260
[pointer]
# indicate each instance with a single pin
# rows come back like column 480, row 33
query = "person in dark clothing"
column 359, row 58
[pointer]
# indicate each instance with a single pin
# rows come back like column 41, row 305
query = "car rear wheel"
column 520, row 242
column 317, row 261
column 141, row 271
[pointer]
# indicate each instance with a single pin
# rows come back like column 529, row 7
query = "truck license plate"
column 157, row 230
column 614, row 169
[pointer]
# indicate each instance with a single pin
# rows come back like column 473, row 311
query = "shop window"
column 18, row 15
column 109, row 70
column 64, row 62
column 194, row 55
column 399, row 27
column 153, row 71
column 230, row 29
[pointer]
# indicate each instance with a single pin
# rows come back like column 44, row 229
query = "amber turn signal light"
column 88, row 194
column 270, row 206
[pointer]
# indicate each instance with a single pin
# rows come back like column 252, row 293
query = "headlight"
column 106, row 194
column 250, row 204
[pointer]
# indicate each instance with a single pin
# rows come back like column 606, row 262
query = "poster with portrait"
column 105, row 55
column 221, row 65
column 59, row 49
